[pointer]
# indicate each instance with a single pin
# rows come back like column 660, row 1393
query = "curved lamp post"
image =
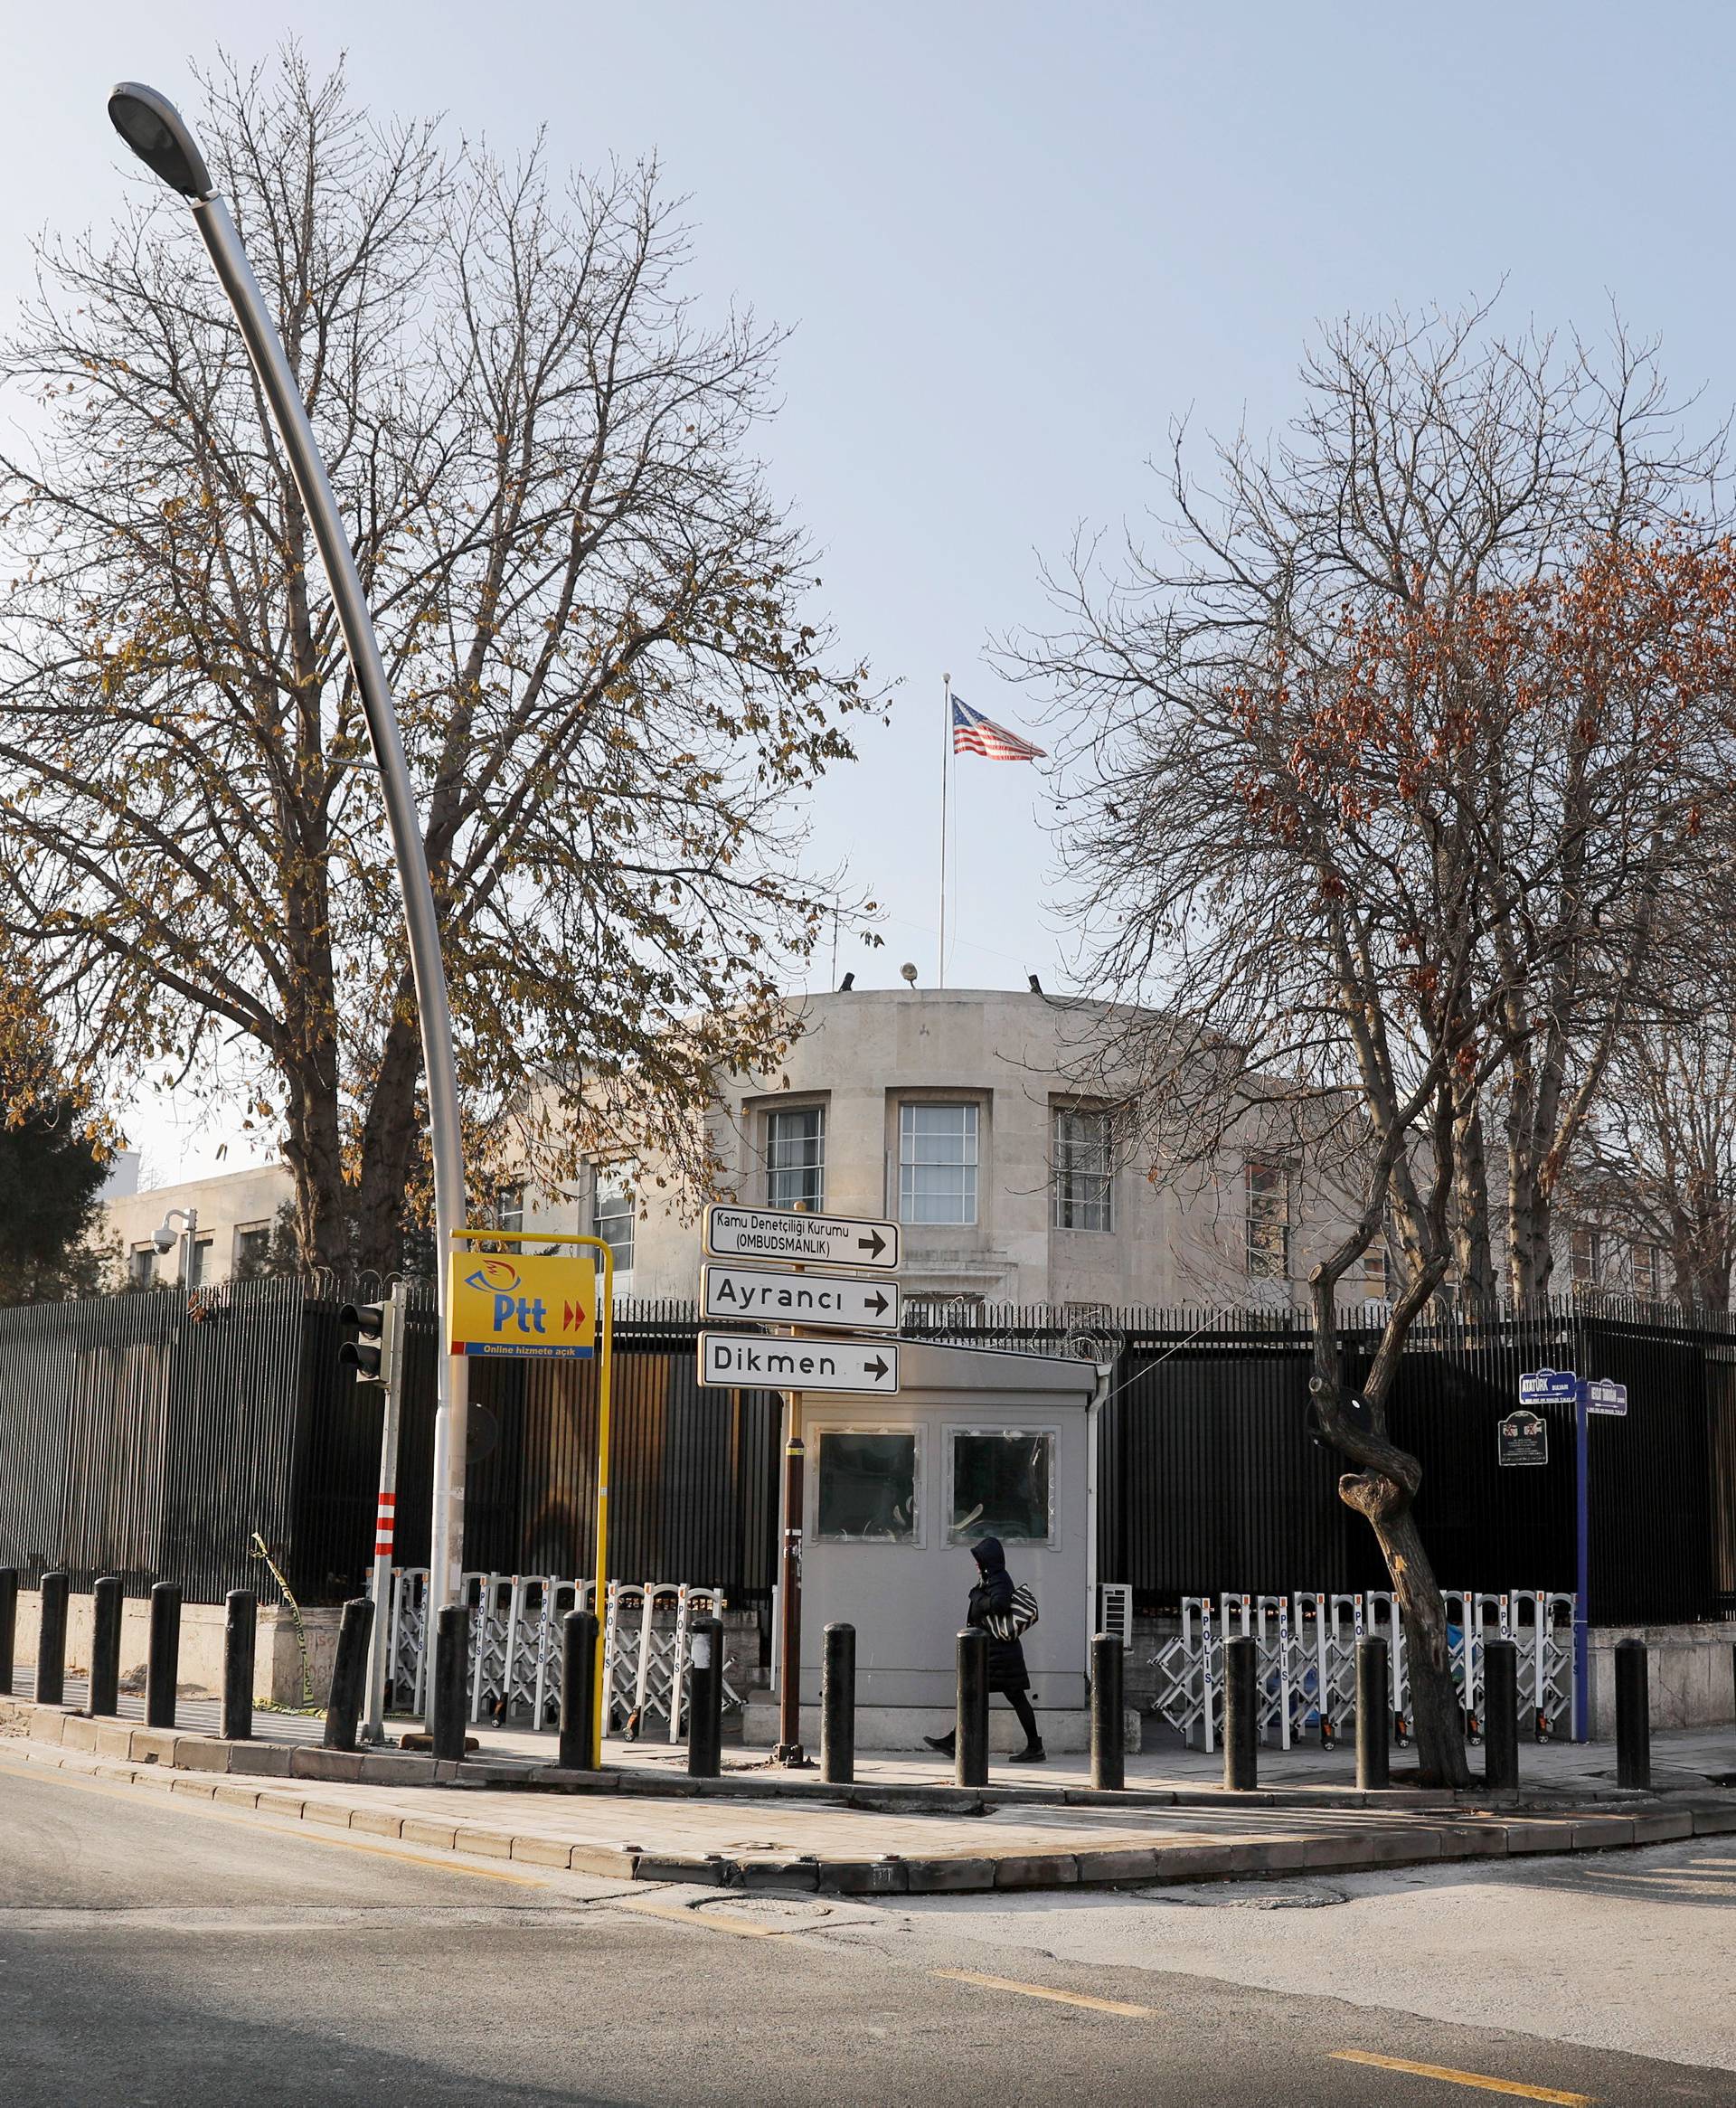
column 155, row 131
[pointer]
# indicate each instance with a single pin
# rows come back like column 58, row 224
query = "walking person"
column 1004, row 1612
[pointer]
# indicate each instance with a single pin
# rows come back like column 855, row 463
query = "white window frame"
column 949, row 1535
column 1063, row 1172
column 918, row 1540
column 971, row 1141
column 620, row 1181
column 1256, row 1258
column 771, row 1113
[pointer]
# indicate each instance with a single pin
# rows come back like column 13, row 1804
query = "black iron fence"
column 144, row 1438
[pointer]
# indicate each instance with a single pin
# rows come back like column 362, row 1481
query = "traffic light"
column 372, row 1353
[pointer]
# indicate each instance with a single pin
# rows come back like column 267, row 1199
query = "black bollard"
column 970, row 1730
column 838, row 1707
column 705, row 1699
column 349, row 1673
column 51, row 1645
column 241, row 1629
column 1500, row 1713
column 1108, row 1754
column 578, row 1690
column 1633, row 1715
column 1240, row 1715
column 163, row 1664
column 105, row 1646
column 451, row 1674
column 1373, row 1772
column 8, row 1626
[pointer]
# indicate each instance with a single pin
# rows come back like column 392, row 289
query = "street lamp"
column 157, row 132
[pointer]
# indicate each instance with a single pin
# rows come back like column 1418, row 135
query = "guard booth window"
column 867, row 1486
column 1003, row 1485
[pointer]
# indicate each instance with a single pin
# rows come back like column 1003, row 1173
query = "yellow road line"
column 302, row 1832
column 714, row 1920
column 1040, row 1990
column 1478, row 2079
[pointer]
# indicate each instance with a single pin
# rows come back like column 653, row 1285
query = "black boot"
column 1033, row 1752
column 947, row 1744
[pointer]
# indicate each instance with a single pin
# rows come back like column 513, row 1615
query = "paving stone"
column 542, row 1851
column 1118, row 1866
column 1472, row 1840
column 199, row 1753
column 1539, row 1836
column 393, row 1769
column 281, row 1804
column 78, row 1734
column 332, row 1813
column 236, row 1796
column 258, row 1760
column 552, row 1775
column 378, row 1822
column 1603, row 1832
column 152, row 1746
column 439, row 1834
column 1713, row 1819
column 755, row 1876
column 865, row 1876
column 490, row 1844
column 943, row 1877
column 1658, row 1826
column 1371, row 1848
column 112, row 1738
column 600, row 1860
column 694, row 1872
column 342, row 1767
column 199, row 1788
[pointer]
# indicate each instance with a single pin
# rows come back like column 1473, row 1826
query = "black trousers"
column 1019, row 1702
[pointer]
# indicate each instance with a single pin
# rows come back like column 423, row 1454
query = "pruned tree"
column 1315, row 823
column 593, row 615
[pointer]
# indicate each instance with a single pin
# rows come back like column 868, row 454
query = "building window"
column 1003, row 1485
column 1269, row 1221
column 509, row 1208
column 1650, row 1274
column 1590, row 1254
column 612, row 1209
column 866, row 1485
column 142, row 1269
column 1084, row 1168
column 200, row 1262
column 796, row 1158
column 936, row 1163
column 252, row 1250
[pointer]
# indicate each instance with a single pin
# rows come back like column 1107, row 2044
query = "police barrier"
column 1305, row 1661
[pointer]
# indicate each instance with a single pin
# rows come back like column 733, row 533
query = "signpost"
column 537, row 1309
column 1564, row 1387
column 1603, row 1396
column 547, row 1310
column 770, row 1232
column 767, row 1295
column 791, row 1297
column 732, row 1361
column 1523, row 1438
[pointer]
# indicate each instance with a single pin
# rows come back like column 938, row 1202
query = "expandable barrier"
column 1306, row 1653
column 515, row 1645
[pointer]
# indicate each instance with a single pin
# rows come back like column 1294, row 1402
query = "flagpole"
column 946, row 763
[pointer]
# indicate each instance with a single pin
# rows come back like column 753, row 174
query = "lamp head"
column 159, row 134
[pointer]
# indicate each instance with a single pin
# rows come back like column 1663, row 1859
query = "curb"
column 69, row 1728
column 1418, row 1841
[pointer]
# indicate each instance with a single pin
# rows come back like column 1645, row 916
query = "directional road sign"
column 773, row 1295
column 1549, row 1387
column 770, row 1232
column 1606, row 1397
column 752, row 1362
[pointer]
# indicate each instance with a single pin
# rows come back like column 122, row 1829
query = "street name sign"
column 1549, row 1387
column 772, row 1296
column 749, row 1361
column 1523, row 1438
column 541, row 1309
column 1602, row 1397
column 771, row 1233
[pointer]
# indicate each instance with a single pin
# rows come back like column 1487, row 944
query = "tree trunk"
column 388, row 1143
column 1472, row 1253
column 1434, row 1696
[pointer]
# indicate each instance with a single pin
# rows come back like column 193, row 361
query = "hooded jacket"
column 993, row 1594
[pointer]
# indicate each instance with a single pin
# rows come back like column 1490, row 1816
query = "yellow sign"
column 537, row 1309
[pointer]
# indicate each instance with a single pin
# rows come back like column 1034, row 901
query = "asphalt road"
column 162, row 1952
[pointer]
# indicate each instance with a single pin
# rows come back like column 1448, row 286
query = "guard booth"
column 976, row 1444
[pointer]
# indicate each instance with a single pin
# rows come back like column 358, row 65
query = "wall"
column 1692, row 1683
column 277, row 1659
column 226, row 1204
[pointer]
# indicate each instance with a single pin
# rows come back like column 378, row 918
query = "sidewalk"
column 889, row 1837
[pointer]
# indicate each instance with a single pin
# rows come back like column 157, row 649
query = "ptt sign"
column 535, row 1309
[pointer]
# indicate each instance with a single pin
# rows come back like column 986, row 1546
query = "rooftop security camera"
column 163, row 1238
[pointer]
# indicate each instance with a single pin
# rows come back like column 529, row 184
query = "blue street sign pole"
column 1582, row 1561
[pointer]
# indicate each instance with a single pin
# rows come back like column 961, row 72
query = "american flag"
column 973, row 733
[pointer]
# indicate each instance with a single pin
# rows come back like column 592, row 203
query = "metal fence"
column 142, row 1438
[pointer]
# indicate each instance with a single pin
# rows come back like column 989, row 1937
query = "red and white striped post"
column 385, row 1520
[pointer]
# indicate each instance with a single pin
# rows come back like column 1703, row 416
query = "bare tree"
column 1316, row 828
column 592, row 613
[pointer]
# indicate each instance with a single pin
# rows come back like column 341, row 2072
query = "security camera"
column 164, row 1239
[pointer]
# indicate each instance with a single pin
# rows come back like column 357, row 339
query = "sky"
column 1015, row 244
